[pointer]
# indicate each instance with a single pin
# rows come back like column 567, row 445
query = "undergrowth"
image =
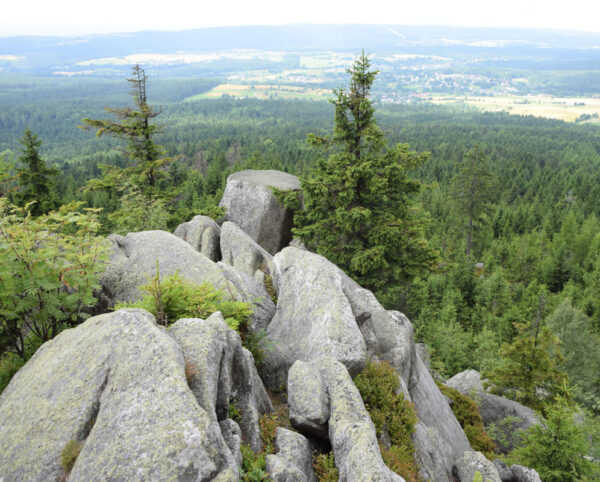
column 379, row 387
column 254, row 467
column 325, row 469
column 466, row 411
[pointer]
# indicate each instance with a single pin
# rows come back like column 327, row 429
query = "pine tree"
column 556, row 448
column 35, row 179
column 134, row 126
column 472, row 189
column 529, row 367
column 359, row 210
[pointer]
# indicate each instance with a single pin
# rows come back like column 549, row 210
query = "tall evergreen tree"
column 35, row 179
column 359, row 209
column 472, row 189
column 134, row 126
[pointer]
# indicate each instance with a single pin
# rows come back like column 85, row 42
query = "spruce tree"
column 472, row 190
column 35, row 179
column 359, row 208
column 134, row 126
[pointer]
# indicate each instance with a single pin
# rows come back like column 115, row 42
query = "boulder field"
column 144, row 402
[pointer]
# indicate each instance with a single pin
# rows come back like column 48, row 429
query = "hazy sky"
column 72, row 17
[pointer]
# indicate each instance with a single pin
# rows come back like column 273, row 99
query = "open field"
column 263, row 91
column 562, row 108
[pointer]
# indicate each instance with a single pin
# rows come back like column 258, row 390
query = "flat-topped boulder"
column 250, row 203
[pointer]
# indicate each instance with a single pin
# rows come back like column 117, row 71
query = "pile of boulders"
column 143, row 402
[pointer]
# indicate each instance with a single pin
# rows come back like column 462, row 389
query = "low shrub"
column 325, row 469
column 175, row 297
column 379, row 387
column 253, row 464
column 254, row 467
column 467, row 413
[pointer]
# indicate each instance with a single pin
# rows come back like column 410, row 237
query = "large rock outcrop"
column 350, row 429
column 117, row 384
column 221, row 372
column 251, row 204
column 322, row 312
column 134, row 260
column 509, row 417
column 313, row 318
column 203, row 234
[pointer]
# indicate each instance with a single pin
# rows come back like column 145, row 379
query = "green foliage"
column 69, row 454
column 174, row 297
column 556, row 448
column 472, row 190
column 35, row 180
column 529, row 367
column 49, row 269
column 268, row 427
column 325, row 469
column 234, row 412
column 379, row 387
column 359, row 209
column 581, row 347
column 136, row 129
column 466, row 411
column 270, row 288
column 254, row 467
column 138, row 212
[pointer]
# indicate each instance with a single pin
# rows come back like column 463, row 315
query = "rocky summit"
column 137, row 401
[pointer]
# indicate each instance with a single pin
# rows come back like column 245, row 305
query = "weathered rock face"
column 471, row 463
column 313, row 319
column 351, row 431
column 317, row 299
column 203, row 234
column 134, row 258
column 443, row 430
column 292, row 461
column 117, row 384
column 439, row 439
column 308, row 399
column 250, row 203
column 508, row 416
column 243, row 253
column 220, row 373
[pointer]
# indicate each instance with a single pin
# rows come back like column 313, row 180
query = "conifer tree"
column 529, row 367
column 134, row 126
column 556, row 448
column 35, row 179
column 472, row 190
column 359, row 209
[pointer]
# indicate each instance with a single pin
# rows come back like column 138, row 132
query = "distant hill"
column 44, row 55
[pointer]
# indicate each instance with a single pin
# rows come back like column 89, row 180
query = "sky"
column 77, row 17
